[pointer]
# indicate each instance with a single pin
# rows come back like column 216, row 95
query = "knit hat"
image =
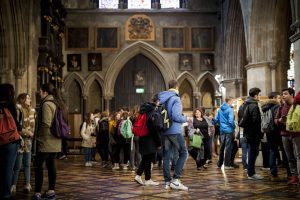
column 297, row 98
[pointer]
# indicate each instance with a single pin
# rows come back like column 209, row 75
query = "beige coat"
column 46, row 142
column 88, row 140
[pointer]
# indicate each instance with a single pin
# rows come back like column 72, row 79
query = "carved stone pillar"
column 272, row 67
column 196, row 100
column 84, row 102
column 234, row 87
column 107, row 100
column 18, row 78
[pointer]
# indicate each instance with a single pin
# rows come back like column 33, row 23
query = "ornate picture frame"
column 173, row 38
column 207, row 62
column 185, row 61
column 77, row 38
column 107, row 38
column 73, row 62
column 94, row 61
column 202, row 38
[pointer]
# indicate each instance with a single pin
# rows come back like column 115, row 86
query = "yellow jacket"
column 293, row 119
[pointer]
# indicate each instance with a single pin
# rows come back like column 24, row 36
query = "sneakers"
column 62, row 157
column 139, row 180
column 88, row 164
column 228, row 167
column 27, row 188
column 265, row 169
column 167, row 187
column 116, row 166
column 255, row 177
column 293, row 180
column 37, row 196
column 150, row 182
column 13, row 189
column 208, row 162
column 177, row 185
column 47, row 195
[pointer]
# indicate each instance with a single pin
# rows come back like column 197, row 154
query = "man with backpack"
column 251, row 123
column 172, row 137
column 268, row 127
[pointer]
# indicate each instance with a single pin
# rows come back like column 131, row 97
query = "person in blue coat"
column 225, row 118
column 172, row 138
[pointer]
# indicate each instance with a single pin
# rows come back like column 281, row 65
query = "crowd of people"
column 272, row 124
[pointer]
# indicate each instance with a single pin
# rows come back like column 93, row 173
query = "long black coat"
column 149, row 144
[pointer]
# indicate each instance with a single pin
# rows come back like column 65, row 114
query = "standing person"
column 290, row 140
column 47, row 146
column 87, row 132
column 273, row 136
column 225, row 117
column 8, row 152
column 252, row 130
column 172, row 137
column 24, row 153
column 103, row 138
column 148, row 145
column 135, row 156
column 113, row 140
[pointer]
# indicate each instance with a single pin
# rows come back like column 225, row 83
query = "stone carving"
column 139, row 27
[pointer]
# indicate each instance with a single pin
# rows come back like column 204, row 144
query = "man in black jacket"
column 252, row 130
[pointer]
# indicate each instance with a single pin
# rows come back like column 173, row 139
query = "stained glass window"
column 169, row 3
column 108, row 4
column 136, row 4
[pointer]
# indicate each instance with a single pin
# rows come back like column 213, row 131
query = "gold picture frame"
column 107, row 38
column 77, row 38
column 202, row 38
column 173, row 38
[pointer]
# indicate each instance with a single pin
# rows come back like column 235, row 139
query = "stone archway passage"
column 137, row 82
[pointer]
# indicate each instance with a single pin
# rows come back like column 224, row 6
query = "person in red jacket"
column 291, row 141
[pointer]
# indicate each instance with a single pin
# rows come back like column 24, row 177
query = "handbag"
column 197, row 141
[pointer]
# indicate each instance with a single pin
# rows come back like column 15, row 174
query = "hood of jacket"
column 251, row 100
column 268, row 104
column 225, row 106
column 164, row 96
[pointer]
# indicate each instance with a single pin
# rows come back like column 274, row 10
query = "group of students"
column 34, row 138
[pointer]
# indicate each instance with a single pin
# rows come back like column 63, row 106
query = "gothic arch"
column 90, row 79
column 189, row 77
column 129, row 52
column 207, row 76
column 73, row 77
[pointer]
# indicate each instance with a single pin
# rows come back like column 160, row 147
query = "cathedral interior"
column 108, row 54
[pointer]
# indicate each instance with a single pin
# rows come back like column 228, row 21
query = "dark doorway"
column 137, row 82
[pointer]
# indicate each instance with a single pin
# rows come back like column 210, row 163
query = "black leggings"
column 145, row 166
column 50, row 163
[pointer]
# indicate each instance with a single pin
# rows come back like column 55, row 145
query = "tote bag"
column 197, row 141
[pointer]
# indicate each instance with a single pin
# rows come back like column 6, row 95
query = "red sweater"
column 283, row 112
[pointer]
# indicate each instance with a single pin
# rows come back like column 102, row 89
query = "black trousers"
column 103, row 151
column 50, row 163
column 145, row 166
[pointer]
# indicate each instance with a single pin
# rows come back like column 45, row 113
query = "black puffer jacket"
column 252, row 129
column 149, row 144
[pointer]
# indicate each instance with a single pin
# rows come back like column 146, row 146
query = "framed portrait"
column 173, row 38
column 73, row 62
column 207, row 62
column 202, row 38
column 77, row 38
column 185, row 61
column 139, row 78
column 107, row 38
column 94, row 61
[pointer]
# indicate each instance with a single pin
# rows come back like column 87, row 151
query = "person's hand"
column 189, row 119
column 30, row 134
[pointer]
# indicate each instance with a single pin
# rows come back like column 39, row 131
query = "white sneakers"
column 177, row 185
column 88, row 164
column 27, row 188
column 138, row 179
column 255, row 177
column 116, row 166
column 13, row 189
column 151, row 183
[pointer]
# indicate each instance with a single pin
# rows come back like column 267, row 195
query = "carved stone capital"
column 19, row 73
column 272, row 65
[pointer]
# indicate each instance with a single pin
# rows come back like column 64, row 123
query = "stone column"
column 18, row 80
column 196, row 99
column 272, row 67
column 84, row 100
column 107, row 100
column 234, row 87
column 258, row 75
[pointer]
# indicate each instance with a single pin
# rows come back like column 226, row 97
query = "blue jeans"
column 25, row 159
column 87, row 154
column 226, row 141
column 8, row 155
column 243, row 142
column 252, row 155
column 171, row 142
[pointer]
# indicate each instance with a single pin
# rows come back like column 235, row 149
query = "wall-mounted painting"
column 172, row 38
column 107, row 38
column 73, row 62
column 77, row 38
column 94, row 62
column 185, row 61
column 139, row 78
column 207, row 62
column 202, row 38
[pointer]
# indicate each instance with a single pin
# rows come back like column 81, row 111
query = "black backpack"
column 243, row 115
column 158, row 119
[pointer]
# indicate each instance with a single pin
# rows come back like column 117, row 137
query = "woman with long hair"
column 88, row 134
column 24, row 153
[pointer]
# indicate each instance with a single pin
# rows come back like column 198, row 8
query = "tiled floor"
column 74, row 181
